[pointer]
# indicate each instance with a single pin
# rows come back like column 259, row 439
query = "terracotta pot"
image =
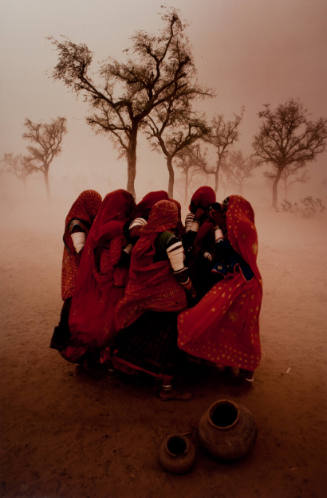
column 227, row 430
column 177, row 453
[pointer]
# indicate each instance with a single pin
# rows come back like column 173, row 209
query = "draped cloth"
column 101, row 280
column 143, row 208
column 84, row 209
column 223, row 327
column 151, row 284
column 201, row 199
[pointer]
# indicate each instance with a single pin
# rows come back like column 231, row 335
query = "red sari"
column 100, row 279
column 151, row 284
column 223, row 327
column 84, row 209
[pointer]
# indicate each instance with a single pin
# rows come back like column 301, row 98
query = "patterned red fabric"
column 100, row 280
column 143, row 208
column 151, row 284
column 241, row 231
column 84, row 209
column 224, row 326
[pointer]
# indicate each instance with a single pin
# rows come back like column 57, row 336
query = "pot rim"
column 214, row 405
column 180, row 436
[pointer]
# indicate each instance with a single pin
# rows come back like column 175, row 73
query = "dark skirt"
column 61, row 334
column 149, row 344
column 61, row 340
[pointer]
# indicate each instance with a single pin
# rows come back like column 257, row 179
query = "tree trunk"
column 275, row 189
column 217, row 175
column 186, row 186
column 131, row 162
column 285, row 189
column 171, row 176
column 46, row 181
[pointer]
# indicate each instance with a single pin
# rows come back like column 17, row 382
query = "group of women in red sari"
column 140, row 289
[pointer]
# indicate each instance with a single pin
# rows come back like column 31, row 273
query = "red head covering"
column 201, row 199
column 163, row 216
column 241, row 231
column 115, row 210
column 99, row 281
column 151, row 284
column 84, row 209
column 144, row 207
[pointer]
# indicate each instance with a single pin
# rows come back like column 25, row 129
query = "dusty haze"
column 63, row 436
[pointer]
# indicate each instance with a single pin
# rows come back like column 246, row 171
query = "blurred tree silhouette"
column 46, row 139
column 17, row 165
column 287, row 140
column 160, row 70
column 239, row 168
column 191, row 160
column 222, row 136
column 174, row 131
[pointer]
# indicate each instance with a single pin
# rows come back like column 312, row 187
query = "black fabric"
column 162, row 242
column 150, row 342
column 61, row 334
column 226, row 260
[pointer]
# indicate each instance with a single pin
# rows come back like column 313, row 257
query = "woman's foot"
column 246, row 375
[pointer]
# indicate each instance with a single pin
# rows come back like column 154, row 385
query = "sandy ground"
column 68, row 435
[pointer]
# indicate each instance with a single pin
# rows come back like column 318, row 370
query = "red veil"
column 151, row 284
column 84, row 209
column 201, row 199
column 100, row 281
column 224, row 326
column 143, row 208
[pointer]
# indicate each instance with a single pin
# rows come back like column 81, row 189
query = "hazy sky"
column 251, row 52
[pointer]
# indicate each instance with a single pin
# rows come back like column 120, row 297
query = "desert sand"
column 65, row 434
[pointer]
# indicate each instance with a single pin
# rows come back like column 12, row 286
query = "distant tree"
column 46, row 139
column 158, row 71
column 17, row 165
column 287, row 139
column 223, row 135
column 290, row 177
column 203, row 165
column 174, row 130
column 239, row 168
column 190, row 160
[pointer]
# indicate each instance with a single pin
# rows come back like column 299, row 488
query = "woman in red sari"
column 100, row 280
column 197, row 231
column 154, row 294
column 77, row 226
column 223, row 327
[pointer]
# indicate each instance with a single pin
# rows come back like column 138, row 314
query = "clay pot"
column 177, row 453
column 227, row 430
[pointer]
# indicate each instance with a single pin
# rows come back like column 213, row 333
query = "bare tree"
column 190, row 160
column 239, row 168
column 46, row 139
column 287, row 139
column 17, row 165
column 291, row 178
column 128, row 92
column 174, row 130
column 223, row 135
